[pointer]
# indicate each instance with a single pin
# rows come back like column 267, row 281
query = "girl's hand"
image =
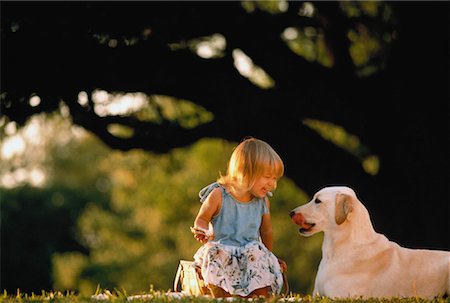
column 283, row 265
column 202, row 235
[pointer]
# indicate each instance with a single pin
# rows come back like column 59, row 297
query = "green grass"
column 116, row 296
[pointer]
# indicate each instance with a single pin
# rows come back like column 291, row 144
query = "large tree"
column 379, row 70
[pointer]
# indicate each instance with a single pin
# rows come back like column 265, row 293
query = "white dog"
column 358, row 262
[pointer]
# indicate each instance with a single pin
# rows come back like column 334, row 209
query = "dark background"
column 399, row 111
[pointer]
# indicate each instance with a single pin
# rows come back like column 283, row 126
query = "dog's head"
column 329, row 207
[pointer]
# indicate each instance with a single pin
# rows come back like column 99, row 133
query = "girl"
column 233, row 260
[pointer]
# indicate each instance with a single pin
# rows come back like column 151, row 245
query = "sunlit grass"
column 166, row 296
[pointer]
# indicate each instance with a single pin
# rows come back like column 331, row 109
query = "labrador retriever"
column 359, row 262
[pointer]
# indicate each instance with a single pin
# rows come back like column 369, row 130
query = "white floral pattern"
column 239, row 270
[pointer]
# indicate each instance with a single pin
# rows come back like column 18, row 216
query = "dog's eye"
column 317, row 201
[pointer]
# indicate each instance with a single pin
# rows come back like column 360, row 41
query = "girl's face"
column 267, row 182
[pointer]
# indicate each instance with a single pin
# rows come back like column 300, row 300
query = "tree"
column 118, row 220
column 389, row 90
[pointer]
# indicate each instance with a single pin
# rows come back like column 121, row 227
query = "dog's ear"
column 344, row 205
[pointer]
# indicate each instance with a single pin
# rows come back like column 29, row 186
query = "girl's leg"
column 218, row 292
column 264, row 291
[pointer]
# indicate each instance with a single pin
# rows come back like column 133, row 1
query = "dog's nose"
column 292, row 213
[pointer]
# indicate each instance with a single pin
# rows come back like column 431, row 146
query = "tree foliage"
column 123, row 222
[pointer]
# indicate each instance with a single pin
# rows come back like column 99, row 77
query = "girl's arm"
column 208, row 210
column 265, row 229
column 267, row 235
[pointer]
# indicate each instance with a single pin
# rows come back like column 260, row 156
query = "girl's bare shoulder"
column 215, row 196
column 217, row 192
column 213, row 203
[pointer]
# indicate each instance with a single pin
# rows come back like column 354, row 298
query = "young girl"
column 233, row 260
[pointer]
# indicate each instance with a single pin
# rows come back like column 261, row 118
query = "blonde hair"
column 249, row 161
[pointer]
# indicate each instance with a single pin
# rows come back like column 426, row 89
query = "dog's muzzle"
column 300, row 220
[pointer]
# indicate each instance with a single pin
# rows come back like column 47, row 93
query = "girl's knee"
column 260, row 292
column 218, row 292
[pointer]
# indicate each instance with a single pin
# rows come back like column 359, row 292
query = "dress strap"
column 205, row 191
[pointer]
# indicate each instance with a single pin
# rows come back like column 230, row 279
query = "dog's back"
column 405, row 272
column 428, row 271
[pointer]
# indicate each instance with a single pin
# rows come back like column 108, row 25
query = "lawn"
column 161, row 296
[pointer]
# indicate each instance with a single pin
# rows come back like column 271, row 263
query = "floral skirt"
column 239, row 270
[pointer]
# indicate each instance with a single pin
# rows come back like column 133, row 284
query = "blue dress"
column 236, row 260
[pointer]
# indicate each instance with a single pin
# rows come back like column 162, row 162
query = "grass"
column 117, row 296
